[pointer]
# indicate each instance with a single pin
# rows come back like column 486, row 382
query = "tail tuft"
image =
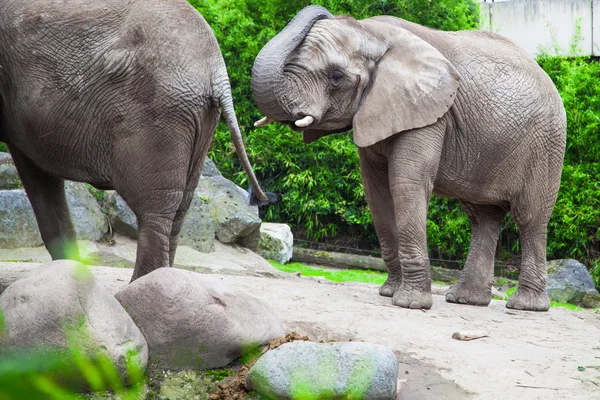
column 253, row 200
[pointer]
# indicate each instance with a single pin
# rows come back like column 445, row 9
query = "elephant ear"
column 412, row 86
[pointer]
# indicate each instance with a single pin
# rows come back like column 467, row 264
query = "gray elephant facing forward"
column 122, row 94
column 459, row 114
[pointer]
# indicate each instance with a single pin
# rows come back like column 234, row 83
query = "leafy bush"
column 322, row 195
column 573, row 230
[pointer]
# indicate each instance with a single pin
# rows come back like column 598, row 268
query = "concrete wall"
column 546, row 24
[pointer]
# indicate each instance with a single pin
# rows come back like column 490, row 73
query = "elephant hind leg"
column 47, row 197
column 206, row 124
column 532, row 220
column 155, row 222
column 188, row 195
column 475, row 282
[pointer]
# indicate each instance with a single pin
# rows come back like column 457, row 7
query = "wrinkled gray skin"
column 464, row 114
column 124, row 95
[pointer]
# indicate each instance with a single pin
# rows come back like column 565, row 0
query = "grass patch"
column 343, row 275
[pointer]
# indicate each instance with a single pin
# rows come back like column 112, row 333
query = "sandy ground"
column 527, row 355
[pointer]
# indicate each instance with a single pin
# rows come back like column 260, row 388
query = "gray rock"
column 569, row 281
column 60, row 305
column 9, row 178
column 210, row 169
column 195, row 321
column 198, row 230
column 591, row 299
column 18, row 226
column 326, row 371
column 232, row 217
column 219, row 208
column 276, row 241
column 89, row 221
column 122, row 219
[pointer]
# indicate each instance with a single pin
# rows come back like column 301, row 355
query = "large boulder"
column 276, row 242
column 18, row 226
column 122, row 219
column 9, row 178
column 219, row 208
column 569, row 281
column 89, row 221
column 307, row 370
column 60, row 306
column 233, row 218
column 195, row 321
column 198, row 230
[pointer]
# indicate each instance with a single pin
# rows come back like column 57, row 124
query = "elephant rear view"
column 467, row 115
column 124, row 95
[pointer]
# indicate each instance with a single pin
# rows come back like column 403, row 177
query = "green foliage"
column 596, row 273
column 320, row 184
column 573, row 230
column 3, row 147
column 38, row 373
column 216, row 375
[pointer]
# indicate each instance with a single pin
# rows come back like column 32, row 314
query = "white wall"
column 547, row 24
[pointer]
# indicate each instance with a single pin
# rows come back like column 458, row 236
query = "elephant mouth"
column 310, row 135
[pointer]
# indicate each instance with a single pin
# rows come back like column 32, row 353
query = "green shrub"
column 3, row 147
column 573, row 230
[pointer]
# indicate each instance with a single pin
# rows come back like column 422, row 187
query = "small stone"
column 469, row 335
column 276, row 242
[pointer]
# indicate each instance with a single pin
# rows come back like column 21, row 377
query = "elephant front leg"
column 413, row 163
column 377, row 191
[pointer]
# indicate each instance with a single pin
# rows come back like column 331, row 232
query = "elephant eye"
column 335, row 77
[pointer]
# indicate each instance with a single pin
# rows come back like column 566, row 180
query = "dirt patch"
column 418, row 380
column 235, row 387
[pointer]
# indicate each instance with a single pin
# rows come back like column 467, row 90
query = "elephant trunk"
column 267, row 72
column 223, row 96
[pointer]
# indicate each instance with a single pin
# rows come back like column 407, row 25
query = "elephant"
column 123, row 95
column 466, row 115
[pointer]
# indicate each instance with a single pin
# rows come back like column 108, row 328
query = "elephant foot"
column 462, row 293
column 416, row 299
column 529, row 300
column 389, row 288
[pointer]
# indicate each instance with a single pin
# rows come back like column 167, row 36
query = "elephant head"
column 324, row 74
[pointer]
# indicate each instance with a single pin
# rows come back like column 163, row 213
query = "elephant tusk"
column 263, row 121
column 304, row 122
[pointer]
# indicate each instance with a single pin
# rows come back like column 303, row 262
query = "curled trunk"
column 267, row 72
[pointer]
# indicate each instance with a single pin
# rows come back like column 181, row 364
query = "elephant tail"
column 222, row 93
